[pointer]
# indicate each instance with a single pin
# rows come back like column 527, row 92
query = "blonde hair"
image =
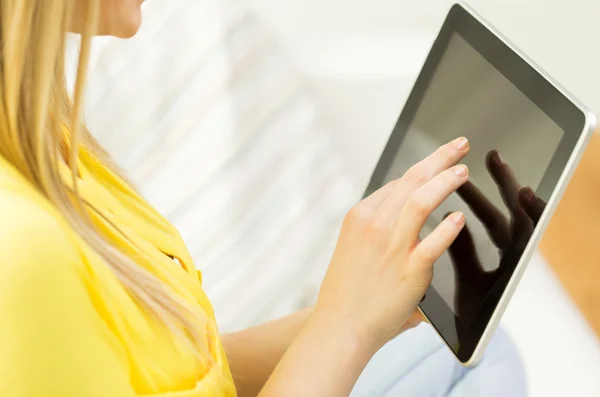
column 34, row 110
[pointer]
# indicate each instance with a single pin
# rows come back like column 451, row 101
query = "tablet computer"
column 475, row 83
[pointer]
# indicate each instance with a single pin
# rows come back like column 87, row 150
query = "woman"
column 99, row 297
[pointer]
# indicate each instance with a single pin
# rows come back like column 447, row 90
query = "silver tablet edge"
column 535, row 238
column 575, row 157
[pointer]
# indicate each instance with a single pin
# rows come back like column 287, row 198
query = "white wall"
column 362, row 56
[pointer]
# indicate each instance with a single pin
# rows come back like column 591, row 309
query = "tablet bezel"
column 576, row 122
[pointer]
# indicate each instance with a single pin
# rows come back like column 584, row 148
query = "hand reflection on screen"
column 474, row 283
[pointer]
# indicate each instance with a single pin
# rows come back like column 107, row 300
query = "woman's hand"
column 377, row 276
column 380, row 269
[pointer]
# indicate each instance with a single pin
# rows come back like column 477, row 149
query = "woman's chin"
column 130, row 29
column 123, row 24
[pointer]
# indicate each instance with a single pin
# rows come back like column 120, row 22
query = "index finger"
column 419, row 175
column 443, row 158
column 375, row 199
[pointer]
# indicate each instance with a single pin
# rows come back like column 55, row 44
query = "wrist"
column 325, row 359
column 347, row 332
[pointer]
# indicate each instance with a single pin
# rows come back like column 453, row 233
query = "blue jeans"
column 417, row 364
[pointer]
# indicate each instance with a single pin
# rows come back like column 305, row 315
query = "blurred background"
column 273, row 114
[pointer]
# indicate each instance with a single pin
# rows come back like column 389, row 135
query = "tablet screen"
column 473, row 84
column 467, row 96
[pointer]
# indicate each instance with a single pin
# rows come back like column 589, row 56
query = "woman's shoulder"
column 38, row 247
column 51, row 324
column 44, row 278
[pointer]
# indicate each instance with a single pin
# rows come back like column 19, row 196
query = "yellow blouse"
column 67, row 326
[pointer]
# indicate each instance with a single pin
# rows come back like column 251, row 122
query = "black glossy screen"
column 522, row 132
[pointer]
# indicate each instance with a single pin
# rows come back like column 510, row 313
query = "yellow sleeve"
column 53, row 343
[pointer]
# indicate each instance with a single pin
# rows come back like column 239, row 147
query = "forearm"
column 254, row 353
column 325, row 360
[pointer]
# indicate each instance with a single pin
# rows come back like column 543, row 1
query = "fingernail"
column 462, row 170
column 461, row 143
column 529, row 195
column 458, row 218
column 499, row 158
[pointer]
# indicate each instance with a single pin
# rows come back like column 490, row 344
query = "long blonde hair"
column 35, row 107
